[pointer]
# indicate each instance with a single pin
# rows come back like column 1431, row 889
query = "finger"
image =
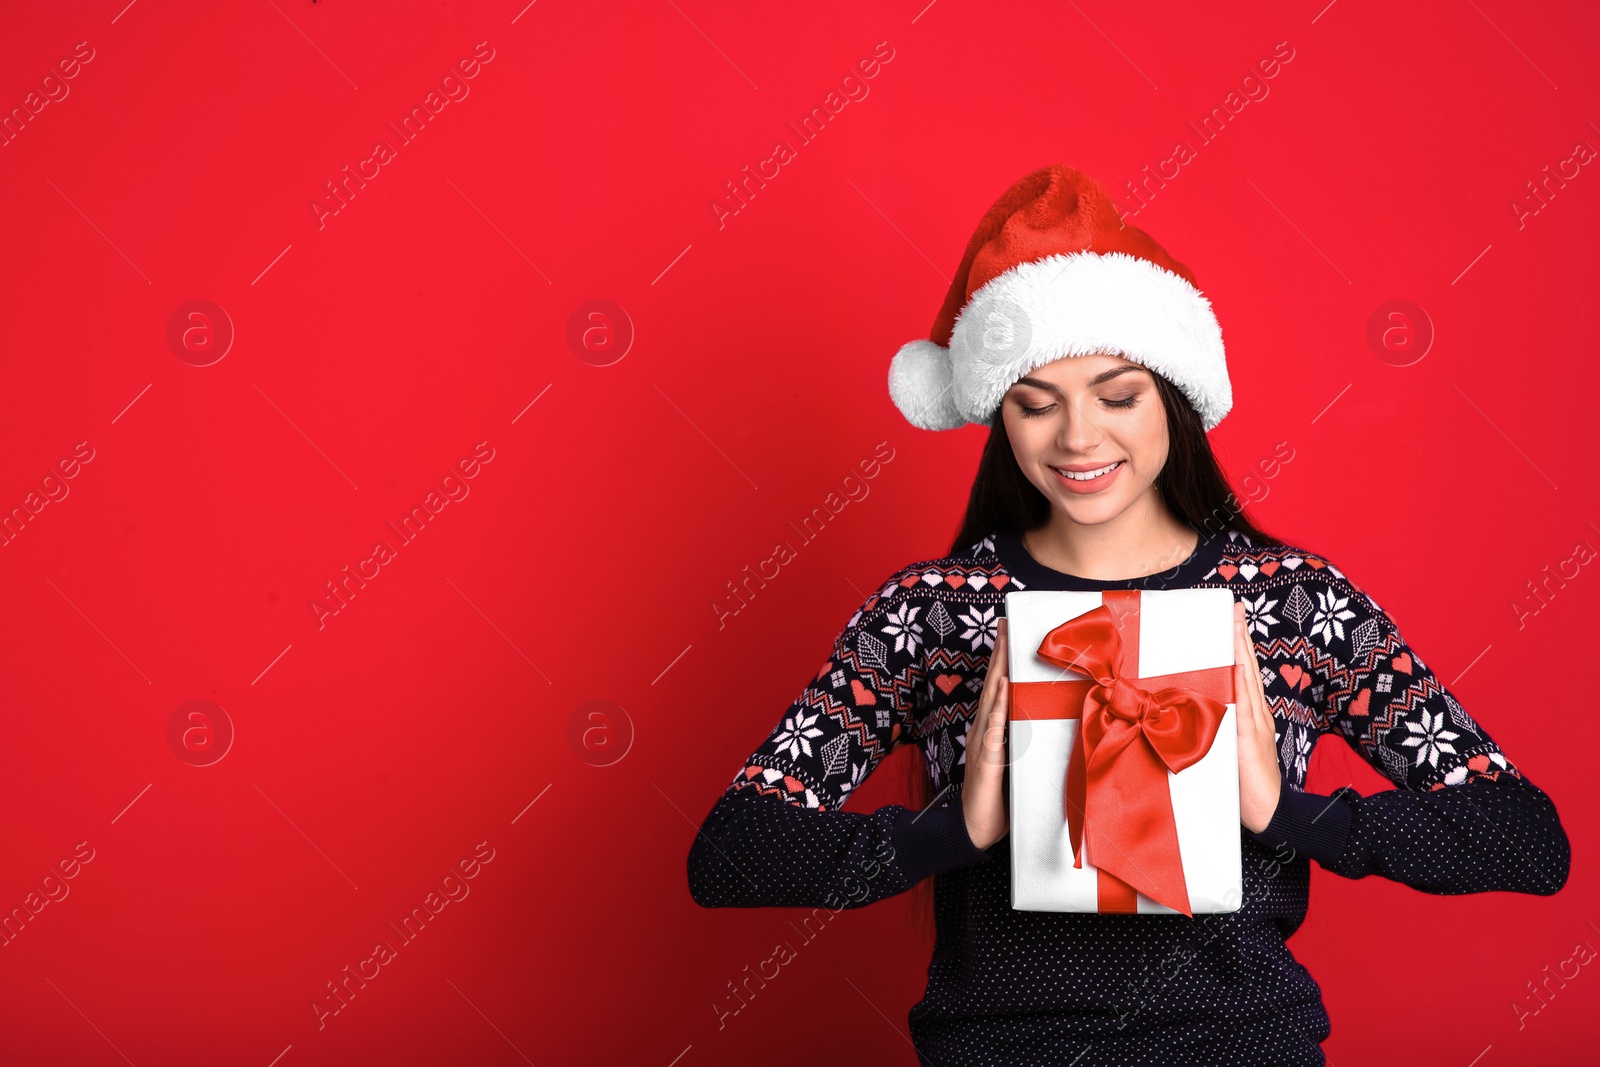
column 1269, row 726
column 1001, row 700
column 1240, row 666
column 1002, row 643
column 995, row 734
column 980, row 717
column 1241, row 659
column 997, row 717
column 1258, row 705
column 997, row 659
column 1250, row 663
column 1257, row 686
column 995, row 682
column 1248, row 702
column 1247, row 646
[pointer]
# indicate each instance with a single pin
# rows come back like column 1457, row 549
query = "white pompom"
column 920, row 384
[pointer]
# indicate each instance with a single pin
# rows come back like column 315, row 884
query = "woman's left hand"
column 1260, row 781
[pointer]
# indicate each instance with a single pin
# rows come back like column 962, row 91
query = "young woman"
column 1098, row 367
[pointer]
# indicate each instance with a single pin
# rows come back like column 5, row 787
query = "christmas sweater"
column 1020, row 987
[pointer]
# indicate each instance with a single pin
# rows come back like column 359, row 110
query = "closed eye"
column 1120, row 404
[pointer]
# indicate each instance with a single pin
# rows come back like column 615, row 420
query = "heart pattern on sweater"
column 1356, row 680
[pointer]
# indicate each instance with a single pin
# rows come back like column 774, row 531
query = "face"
column 1073, row 417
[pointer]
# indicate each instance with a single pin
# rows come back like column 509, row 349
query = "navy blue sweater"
column 1019, row 987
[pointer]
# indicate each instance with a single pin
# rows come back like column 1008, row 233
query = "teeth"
column 1086, row 476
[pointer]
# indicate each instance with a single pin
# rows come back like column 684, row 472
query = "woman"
column 1098, row 366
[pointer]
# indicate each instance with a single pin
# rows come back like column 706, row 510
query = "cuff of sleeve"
column 933, row 840
column 1310, row 823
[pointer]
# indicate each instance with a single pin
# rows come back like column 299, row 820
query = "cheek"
column 1149, row 441
column 1026, row 440
column 1029, row 441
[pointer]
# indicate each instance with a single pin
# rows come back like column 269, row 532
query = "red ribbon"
column 1133, row 731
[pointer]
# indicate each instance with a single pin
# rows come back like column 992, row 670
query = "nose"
column 1079, row 432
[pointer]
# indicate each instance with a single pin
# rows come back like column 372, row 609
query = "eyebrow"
column 1040, row 383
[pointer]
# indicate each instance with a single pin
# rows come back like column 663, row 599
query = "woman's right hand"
column 983, row 802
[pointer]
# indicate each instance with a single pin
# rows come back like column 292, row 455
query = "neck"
column 1139, row 542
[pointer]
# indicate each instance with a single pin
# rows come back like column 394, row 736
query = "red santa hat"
column 1054, row 271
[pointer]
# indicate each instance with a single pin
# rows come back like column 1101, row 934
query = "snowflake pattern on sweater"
column 911, row 661
column 1004, row 985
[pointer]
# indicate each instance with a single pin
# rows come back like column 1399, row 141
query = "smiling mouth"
column 1088, row 476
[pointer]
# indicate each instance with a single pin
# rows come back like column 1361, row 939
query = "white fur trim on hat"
column 921, row 387
column 1074, row 304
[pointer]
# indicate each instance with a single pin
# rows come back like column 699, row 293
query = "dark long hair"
column 1191, row 484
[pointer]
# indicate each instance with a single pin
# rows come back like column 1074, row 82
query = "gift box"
column 1123, row 751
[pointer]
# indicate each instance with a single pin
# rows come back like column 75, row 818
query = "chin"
column 1088, row 512
column 1092, row 514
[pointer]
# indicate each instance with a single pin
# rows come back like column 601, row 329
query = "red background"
column 375, row 350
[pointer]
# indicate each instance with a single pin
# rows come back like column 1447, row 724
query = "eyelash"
column 1123, row 404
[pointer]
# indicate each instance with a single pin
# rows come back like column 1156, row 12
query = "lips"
column 1089, row 482
column 1083, row 473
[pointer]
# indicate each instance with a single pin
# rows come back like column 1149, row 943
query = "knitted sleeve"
column 777, row 835
column 1463, row 819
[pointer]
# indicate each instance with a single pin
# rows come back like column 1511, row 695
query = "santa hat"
column 1054, row 271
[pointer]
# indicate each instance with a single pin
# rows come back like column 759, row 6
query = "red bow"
column 1133, row 731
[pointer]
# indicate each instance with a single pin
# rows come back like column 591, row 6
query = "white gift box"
column 1177, row 630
